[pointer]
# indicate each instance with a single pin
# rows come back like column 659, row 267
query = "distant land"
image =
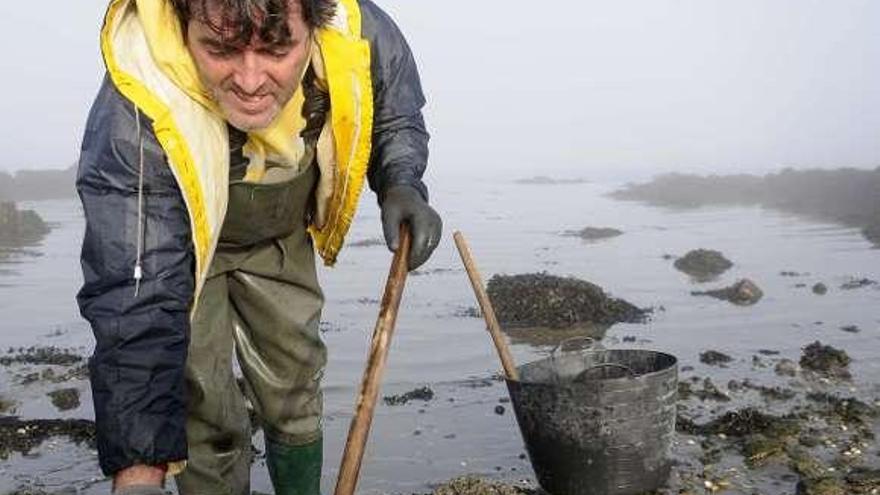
column 847, row 195
column 32, row 185
column 19, row 228
column 543, row 180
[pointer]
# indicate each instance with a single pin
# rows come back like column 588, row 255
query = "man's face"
column 251, row 83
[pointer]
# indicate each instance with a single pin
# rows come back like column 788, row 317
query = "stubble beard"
column 248, row 123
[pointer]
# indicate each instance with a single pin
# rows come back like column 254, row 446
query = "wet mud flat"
column 813, row 433
column 712, row 454
column 764, row 431
column 782, row 424
column 55, row 374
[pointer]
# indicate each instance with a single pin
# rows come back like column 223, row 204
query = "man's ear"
column 184, row 32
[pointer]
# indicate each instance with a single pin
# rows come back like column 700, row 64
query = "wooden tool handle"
column 366, row 404
column 486, row 307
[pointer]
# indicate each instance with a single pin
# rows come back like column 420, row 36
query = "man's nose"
column 250, row 75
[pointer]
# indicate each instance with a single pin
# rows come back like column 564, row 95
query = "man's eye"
column 220, row 52
column 276, row 52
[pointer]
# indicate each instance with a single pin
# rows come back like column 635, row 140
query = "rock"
column 41, row 356
column 743, row 293
column 758, row 449
column 741, row 423
column 822, row 486
column 423, row 394
column 714, row 358
column 846, row 410
column 858, row 283
column 769, row 393
column 786, row 367
column 594, row 233
column 851, row 329
column 499, row 410
column 709, row 392
column 65, row 399
column 820, row 289
column 6, row 405
column 20, row 227
column 543, row 300
column 468, row 312
column 328, row 327
column 703, row 264
column 863, row 480
column 826, row 361
column 804, row 463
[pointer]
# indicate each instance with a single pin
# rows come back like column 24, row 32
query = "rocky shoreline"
column 801, row 419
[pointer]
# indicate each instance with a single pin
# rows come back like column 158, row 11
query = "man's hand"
column 405, row 204
column 140, row 480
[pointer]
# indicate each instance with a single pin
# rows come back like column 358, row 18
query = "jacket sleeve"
column 400, row 142
column 137, row 369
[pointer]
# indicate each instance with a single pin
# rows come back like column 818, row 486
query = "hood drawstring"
column 138, row 267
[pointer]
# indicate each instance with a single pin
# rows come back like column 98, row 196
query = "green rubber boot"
column 295, row 470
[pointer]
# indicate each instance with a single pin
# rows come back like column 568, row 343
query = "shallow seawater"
column 511, row 228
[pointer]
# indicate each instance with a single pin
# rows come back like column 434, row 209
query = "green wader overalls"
column 262, row 303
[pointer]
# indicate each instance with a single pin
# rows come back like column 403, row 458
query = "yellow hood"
column 149, row 64
column 164, row 36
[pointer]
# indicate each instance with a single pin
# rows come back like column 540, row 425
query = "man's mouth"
column 252, row 104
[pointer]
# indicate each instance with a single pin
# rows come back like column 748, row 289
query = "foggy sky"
column 586, row 88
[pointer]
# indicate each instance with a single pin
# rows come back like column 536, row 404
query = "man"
column 229, row 143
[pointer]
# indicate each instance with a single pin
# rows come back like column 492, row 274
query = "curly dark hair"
column 241, row 19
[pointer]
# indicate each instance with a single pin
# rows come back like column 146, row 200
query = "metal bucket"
column 597, row 421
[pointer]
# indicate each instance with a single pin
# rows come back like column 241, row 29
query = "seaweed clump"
column 703, row 264
column 467, row 485
column 22, row 436
column 423, row 394
column 594, row 233
column 41, row 356
column 826, row 361
column 543, row 300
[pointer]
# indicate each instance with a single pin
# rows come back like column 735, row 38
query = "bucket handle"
column 592, row 344
column 632, row 374
column 560, row 348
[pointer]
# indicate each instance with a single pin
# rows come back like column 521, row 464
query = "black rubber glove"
column 405, row 204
